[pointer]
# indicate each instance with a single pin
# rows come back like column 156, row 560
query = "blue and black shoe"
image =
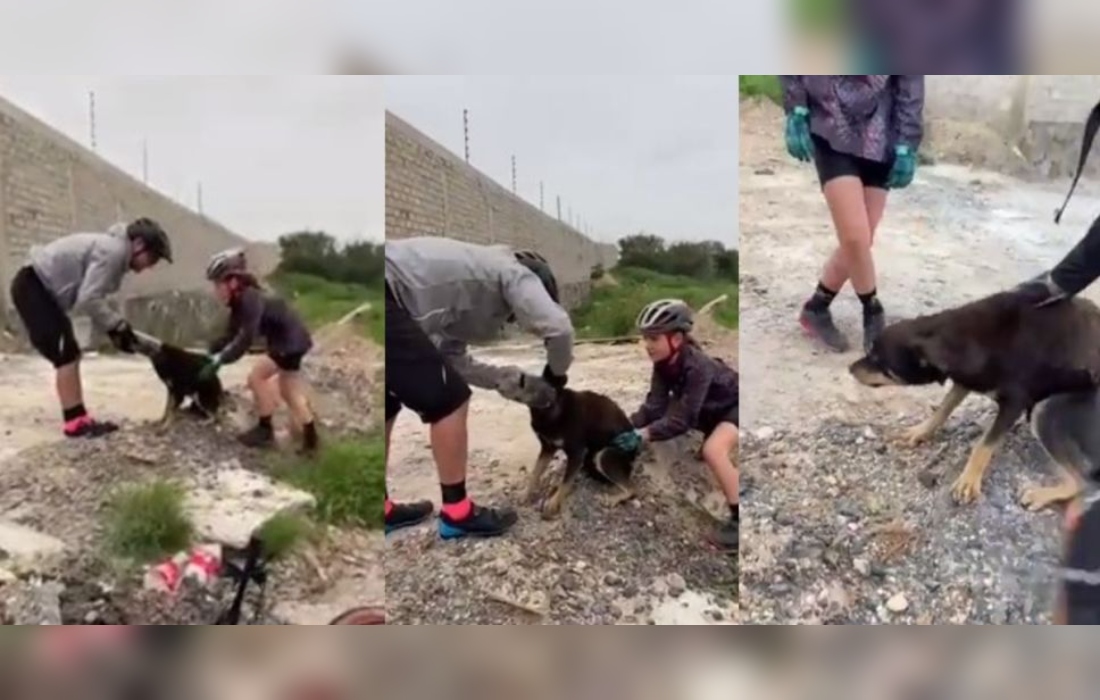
column 403, row 515
column 481, row 522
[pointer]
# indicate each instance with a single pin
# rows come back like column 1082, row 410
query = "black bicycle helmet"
column 153, row 236
column 537, row 264
column 226, row 262
column 666, row 316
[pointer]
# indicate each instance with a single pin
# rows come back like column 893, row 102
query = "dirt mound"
column 344, row 371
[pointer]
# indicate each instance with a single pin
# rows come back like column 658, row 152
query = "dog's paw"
column 966, row 490
column 913, row 437
column 551, row 508
column 1035, row 498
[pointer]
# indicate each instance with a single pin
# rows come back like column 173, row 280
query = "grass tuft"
column 148, row 522
column 347, row 479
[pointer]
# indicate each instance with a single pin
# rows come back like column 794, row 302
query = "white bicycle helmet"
column 225, row 262
column 666, row 316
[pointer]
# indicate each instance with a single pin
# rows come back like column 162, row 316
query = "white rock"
column 25, row 550
column 898, row 604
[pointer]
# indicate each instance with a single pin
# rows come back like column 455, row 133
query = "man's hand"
column 1041, row 291
column 210, row 369
column 558, row 382
column 122, row 336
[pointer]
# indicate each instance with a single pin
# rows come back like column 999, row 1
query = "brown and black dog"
column 583, row 424
column 179, row 370
column 1026, row 359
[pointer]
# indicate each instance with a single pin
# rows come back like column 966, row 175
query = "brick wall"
column 51, row 186
column 430, row 191
column 1042, row 114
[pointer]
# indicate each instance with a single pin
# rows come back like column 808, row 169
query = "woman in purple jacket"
column 862, row 132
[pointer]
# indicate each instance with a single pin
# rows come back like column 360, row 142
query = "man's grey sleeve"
column 103, row 278
column 509, row 381
column 540, row 315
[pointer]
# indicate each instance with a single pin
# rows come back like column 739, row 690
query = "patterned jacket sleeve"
column 909, row 109
column 794, row 92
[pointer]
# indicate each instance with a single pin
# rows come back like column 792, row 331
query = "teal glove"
column 630, row 441
column 797, row 135
column 213, row 364
column 905, row 165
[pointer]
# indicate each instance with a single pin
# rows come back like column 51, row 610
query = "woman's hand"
column 797, row 135
column 905, row 166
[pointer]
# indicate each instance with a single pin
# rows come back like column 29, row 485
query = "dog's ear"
column 945, row 354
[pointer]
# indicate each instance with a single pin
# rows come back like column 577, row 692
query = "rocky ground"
column 52, row 493
column 842, row 524
column 644, row 562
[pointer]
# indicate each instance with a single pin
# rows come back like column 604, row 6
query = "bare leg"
column 450, row 446
column 844, row 196
column 292, row 389
column 263, row 394
column 924, row 430
column 69, row 389
column 717, row 453
column 836, row 272
column 968, row 487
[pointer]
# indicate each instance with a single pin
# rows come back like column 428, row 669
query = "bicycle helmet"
column 537, row 264
column 224, row 263
column 666, row 316
column 153, row 236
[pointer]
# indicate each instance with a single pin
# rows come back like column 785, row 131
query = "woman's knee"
column 719, row 447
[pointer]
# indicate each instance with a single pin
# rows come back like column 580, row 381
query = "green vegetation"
column 322, row 301
column 148, row 522
column 347, row 479
column 762, row 86
column 325, row 280
column 817, row 15
column 613, row 307
column 284, row 533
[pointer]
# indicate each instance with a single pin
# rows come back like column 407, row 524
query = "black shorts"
column 1081, row 570
column 48, row 327
column 833, row 164
column 287, row 362
column 418, row 377
column 730, row 416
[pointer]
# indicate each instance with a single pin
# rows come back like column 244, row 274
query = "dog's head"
column 903, row 355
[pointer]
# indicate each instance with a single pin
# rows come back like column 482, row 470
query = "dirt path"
column 828, row 493
column 42, row 476
column 638, row 563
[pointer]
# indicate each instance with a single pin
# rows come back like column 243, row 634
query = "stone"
column 898, row 604
column 225, row 509
column 35, row 604
column 23, row 550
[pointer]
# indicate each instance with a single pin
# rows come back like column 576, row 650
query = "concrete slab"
column 228, row 506
column 23, row 550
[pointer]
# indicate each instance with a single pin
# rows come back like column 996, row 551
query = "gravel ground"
column 643, row 562
column 842, row 524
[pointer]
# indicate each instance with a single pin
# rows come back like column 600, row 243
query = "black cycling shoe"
column 873, row 324
column 727, row 538
column 481, row 522
column 403, row 515
column 259, row 436
column 90, row 428
column 819, row 325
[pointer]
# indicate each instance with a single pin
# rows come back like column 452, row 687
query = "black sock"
column 309, row 434
column 871, row 304
column 821, row 298
column 77, row 411
column 265, row 422
column 735, row 513
column 454, row 493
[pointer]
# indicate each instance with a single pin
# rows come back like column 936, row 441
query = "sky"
column 625, row 153
column 273, row 154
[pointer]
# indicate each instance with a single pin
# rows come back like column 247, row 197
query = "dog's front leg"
column 574, row 460
column 169, row 416
column 921, row 432
column 1035, row 498
column 546, row 456
column 968, row 487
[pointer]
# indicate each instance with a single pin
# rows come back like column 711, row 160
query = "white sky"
column 626, row 153
column 274, row 154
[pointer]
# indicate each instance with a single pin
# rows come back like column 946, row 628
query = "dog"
column 179, row 370
column 1002, row 347
column 583, row 424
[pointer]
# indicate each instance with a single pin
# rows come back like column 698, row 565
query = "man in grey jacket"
column 441, row 295
column 76, row 274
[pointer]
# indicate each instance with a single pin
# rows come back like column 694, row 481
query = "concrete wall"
column 431, row 191
column 51, row 186
column 1042, row 114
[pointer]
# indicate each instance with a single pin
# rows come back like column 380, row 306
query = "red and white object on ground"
column 202, row 565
